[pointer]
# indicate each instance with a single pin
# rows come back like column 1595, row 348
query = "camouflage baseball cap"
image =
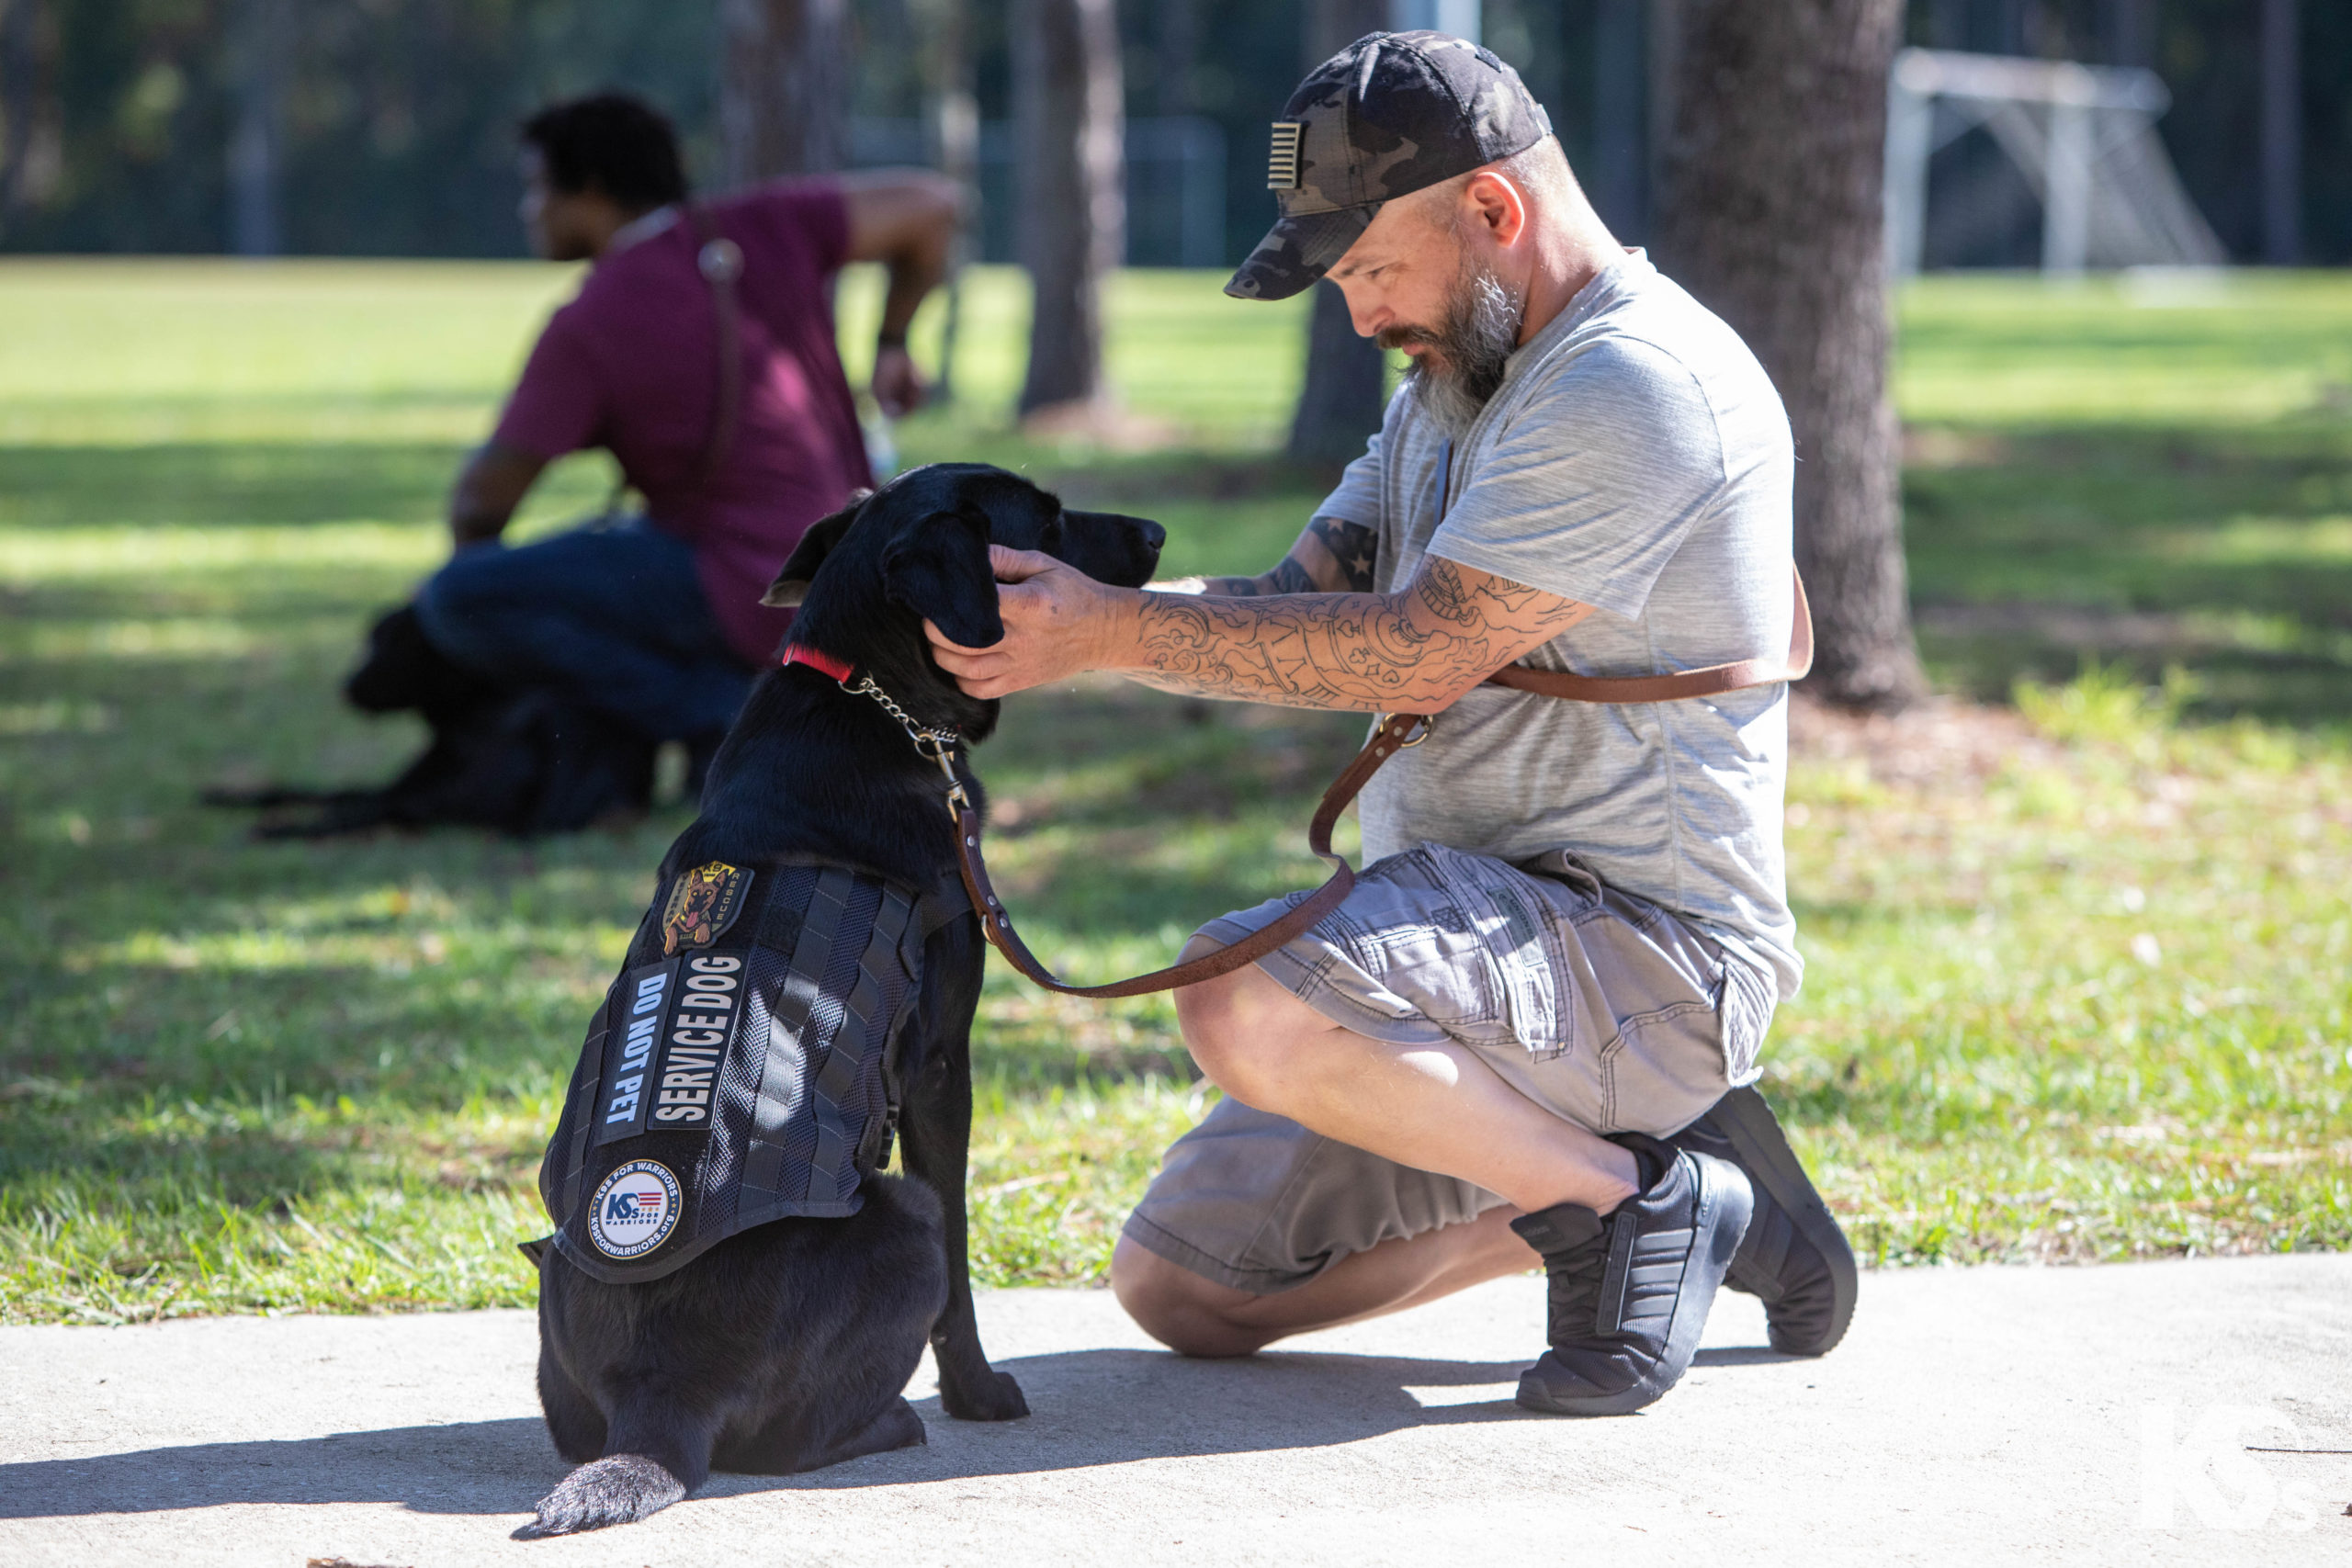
column 1389, row 114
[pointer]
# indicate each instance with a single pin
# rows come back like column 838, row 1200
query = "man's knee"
column 1179, row 1308
column 460, row 605
column 1230, row 1023
column 1202, row 1009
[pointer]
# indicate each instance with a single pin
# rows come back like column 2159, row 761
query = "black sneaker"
column 1630, row 1290
column 1794, row 1257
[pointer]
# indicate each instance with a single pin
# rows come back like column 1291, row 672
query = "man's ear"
column 791, row 584
column 937, row 565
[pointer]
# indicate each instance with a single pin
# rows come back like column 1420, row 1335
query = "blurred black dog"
column 523, row 762
column 734, row 1282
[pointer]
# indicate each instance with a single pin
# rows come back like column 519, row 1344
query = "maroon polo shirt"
column 631, row 364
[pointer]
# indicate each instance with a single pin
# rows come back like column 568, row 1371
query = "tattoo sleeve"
column 1433, row 640
column 1332, row 555
column 1354, row 547
column 1289, row 577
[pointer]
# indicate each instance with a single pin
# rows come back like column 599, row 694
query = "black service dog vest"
column 748, row 1074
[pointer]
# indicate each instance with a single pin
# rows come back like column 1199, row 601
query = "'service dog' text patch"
column 702, row 1022
column 676, row 1020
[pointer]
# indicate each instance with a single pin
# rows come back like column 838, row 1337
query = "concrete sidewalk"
column 1972, row 1416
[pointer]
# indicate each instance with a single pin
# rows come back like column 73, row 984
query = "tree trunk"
column 2128, row 32
column 783, row 88
column 2282, row 133
column 956, row 133
column 32, row 166
column 1770, row 215
column 258, row 50
column 19, row 76
column 1073, row 199
column 1180, row 50
column 1617, row 176
column 1342, row 395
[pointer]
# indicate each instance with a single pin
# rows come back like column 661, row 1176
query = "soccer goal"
column 2083, row 136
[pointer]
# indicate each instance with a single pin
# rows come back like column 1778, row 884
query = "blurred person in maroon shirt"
column 654, row 621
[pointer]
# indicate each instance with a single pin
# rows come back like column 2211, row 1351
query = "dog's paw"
column 995, row 1397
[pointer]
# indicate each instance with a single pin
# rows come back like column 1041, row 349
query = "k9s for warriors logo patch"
column 703, row 904
column 636, row 1209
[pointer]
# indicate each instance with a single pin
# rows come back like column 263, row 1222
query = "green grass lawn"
column 2078, row 982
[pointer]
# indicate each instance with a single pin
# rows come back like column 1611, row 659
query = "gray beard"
column 1474, row 345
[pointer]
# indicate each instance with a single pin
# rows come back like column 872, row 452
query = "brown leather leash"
column 1391, row 734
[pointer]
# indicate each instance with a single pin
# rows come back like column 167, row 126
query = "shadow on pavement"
column 1092, row 1408
column 464, row 1467
column 1742, row 1355
column 1107, row 1408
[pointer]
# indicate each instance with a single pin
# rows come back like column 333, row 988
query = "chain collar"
column 933, row 745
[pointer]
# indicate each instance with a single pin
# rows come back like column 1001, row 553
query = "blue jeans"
column 611, row 616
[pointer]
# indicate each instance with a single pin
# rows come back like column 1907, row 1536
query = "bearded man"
column 1530, row 1024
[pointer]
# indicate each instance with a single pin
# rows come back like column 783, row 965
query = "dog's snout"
column 1154, row 535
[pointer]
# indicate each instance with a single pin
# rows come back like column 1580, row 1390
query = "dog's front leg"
column 938, row 1135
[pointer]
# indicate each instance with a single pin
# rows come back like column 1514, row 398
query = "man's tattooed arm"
column 1351, row 547
column 1289, row 577
column 1418, row 648
column 1332, row 555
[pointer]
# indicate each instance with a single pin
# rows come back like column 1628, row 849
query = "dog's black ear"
column 791, row 584
column 937, row 565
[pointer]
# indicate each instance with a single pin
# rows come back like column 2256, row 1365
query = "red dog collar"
column 820, row 660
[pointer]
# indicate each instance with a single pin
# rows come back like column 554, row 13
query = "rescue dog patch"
column 634, row 1210
column 703, row 904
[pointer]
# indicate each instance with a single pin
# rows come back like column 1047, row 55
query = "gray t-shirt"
column 1637, row 459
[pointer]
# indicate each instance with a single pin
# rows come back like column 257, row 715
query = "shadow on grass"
column 302, row 1082
column 243, row 484
column 2227, row 552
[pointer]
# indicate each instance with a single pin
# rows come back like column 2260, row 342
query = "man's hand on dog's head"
column 1058, row 622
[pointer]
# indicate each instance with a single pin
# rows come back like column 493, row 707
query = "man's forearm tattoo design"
column 1345, row 651
column 1287, row 578
column 1352, row 546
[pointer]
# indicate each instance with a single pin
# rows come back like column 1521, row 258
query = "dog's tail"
column 654, row 1454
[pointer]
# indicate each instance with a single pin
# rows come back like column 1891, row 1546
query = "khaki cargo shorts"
column 1600, row 1006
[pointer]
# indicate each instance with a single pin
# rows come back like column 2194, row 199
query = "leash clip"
column 936, row 745
column 1422, row 724
column 940, row 747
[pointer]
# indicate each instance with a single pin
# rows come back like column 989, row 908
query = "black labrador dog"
column 784, row 1345
column 523, row 762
